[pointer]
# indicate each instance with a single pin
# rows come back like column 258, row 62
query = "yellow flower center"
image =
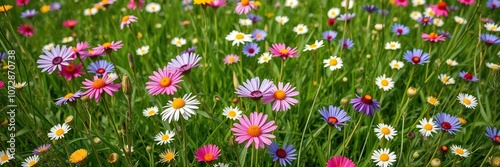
column 333, row 62
column 385, row 130
column 178, row 103
column 230, row 59
column 99, row 83
column 69, row 95
column 384, row 82
column 59, row 132
column 45, row 8
column 165, row 137
column 169, row 156
column 231, row 113
column 245, row 2
column 253, row 131
column 280, row 95
column 32, row 163
column 396, row 65
column 433, row 35
column 301, row 29
column 432, row 100
column 265, row 58
column 104, row 1
column 151, row 112
column 208, row 157
column 106, row 45
column 393, row 45
column 466, row 101
column 384, row 157
column 428, row 127
column 445, row 79
column 239, row 36
column 125, row 18
column 459, row 151
column 313, row 46
column 164, row 82
column 284, row 51
column 5, row 158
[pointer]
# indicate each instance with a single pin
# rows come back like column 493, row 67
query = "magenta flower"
column 467, row 2
column 217, row 4
column 401, row 2
column 92, row 53
column 2, row 84
column 337, row 161
column 108, row 46
column 126, row 20
column 80, row 49
column 71, row 71
column 70, row 23
column 55, row 58
column 282, row 96
column 207, row 153
column 98, row 85
column 164, row 81
column 282, row 50
column 441, row 9
column 244, row 7
column 132, row 5
column 433, row 37
column 26, row 30
column 254, row 130
column 22, row 2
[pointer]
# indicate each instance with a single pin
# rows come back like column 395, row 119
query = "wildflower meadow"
column 336, row 83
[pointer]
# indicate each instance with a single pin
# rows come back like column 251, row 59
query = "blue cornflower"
column 334, row 116
column 285, row 155
column 254, row 18
column 447, row 123
column 28, row 14
column 416, row 56
column 251, row 49
column 493, row 134
column 400, row 29
column 329, row 35
column 490, row 39
column 370, row 8
column 346, row 43
column 259, row 35
column 100, row 67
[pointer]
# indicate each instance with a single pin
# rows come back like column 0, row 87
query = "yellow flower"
column 78, row 156
column 45, row 8
column 139, row 35
column 5, row 8
column 462, row 120
column 257, row 3
column 202, row 2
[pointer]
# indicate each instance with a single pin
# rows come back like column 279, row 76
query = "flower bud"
column 379, row 26
column 495, row 161
column 97, row 140
column 113, row 158
column 462, row 120
column 344, row 101
column 148, row 148
column 411, row 91
column 416, row 154
column 435, row 162
column 68, row 119
column 126, row 86
column 234, row 100
column 344, row 79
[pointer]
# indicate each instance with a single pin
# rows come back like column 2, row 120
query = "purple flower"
column 329, row 35
column 42, row 149
column 467, row 76
column 490, row 39
column 100, row 67
column 365, row 104
column 493, row 4
column 425, row 20
column 447, row 122
column 253, row 89
column 284, row 155
column 383, row 11
column 346, row 43
column 251, row 49
column 55, row 6
column 189, row 50
column 444, row 33
column 334, row 116
column 70, row 97
column 370, row 8
column 493, row 134
column 346, row 16
column 185, row 62
column 3, row 55
column 416, row 56
column 259, row 35
column 55, row 58
column 400, row 29
column 254, row 18
column 28, row 14
column 453, row 8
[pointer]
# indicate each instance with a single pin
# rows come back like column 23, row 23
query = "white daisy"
column 396, row 64
column 383, row 157
column 153, row 7
column 232, row 113
column 265, row 57
column 317, row 44
column 238, row 37
column 429, row 12
column 167, row 156
column 347, row 2
column 333, row 62
column 57, row 132
column 386, row 131
column 281, row 19
column 491, row 27
column 150, row 111
column 458, row 150
column 418, row 2
column 432, row 100
column 384, row 83
column 245, row 22
column 460, row 20
column 48, row 46
column 178, row 41
column 446, row 79
column 451, row 62
column 184, row 106
column 89, row 11
column 292, row 3
column 127, row 149
column 493, row 66
column 300, row 29
column 220, row 164
column 392, row 45
column 467, row 100
column 67, row 39
column 20, row 85
column 438, row 22
column 415, row 15
column 333, row 13
column 5, row 156
column 164, row 138
column 427, row 127
column 142, row 50
column 30, row 161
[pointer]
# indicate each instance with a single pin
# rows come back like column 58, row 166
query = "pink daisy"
column 132, row 5
column 70, row 23
column 401, row 2
column 433, row 37
column 26, row 30
column 92, row 53
column 244, row 7
column 108, row 46
column 126, row 20
column 217, row 4
column 71, row 71
column 231, row 58
column 164, row 81
column 22, row 2
column 207, row 153
column 441, row 9
column 79, row 49
column 98, row 85
column 2, row 84
column 467, row 2
column 282, row 96
column 340, row 161
column 282, row 50
column 55, row 58
column 254, row 130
